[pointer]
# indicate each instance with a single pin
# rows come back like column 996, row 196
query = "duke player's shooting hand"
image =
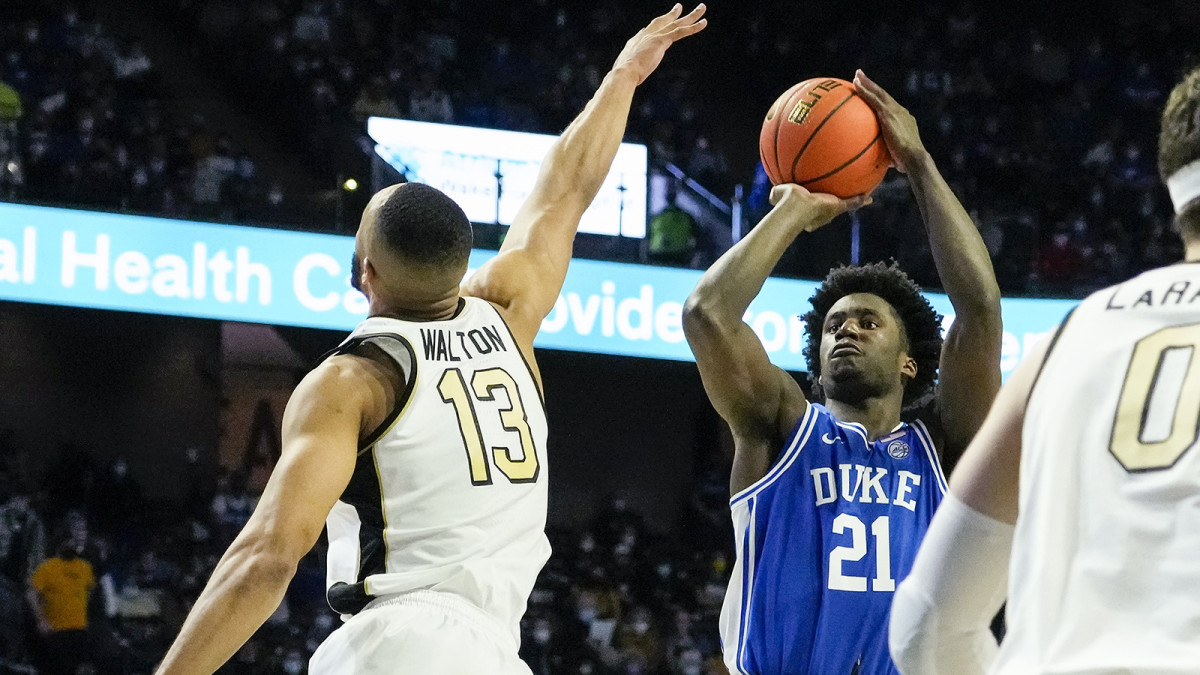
column 644, row 51
column 814, row 209
column 898, row 125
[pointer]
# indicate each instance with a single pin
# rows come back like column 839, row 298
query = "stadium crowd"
column 87, row 125
column 1060, row 177
column 114, row 575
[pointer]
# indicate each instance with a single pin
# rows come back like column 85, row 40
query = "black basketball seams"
column 812, row 135
column 787, row 98
column 878, row 138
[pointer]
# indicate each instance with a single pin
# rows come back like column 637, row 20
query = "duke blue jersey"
column 822, row 540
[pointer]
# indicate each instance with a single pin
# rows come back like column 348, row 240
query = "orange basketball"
column 822, row 135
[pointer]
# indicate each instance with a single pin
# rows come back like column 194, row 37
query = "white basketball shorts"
column 419, row 633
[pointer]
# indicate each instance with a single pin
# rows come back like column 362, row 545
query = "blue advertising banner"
column 159, row 266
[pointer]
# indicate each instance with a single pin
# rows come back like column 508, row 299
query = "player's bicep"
column 525, row 284
column 969, row 377
column 747, row 390
column 321, row 428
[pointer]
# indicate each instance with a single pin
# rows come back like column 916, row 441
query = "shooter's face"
column 863, row 349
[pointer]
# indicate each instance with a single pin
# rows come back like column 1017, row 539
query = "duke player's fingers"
column 856, row 202
column 867, row 90
column 779, row 192
column 879, row 94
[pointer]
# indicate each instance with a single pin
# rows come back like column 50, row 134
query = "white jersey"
column 451, row 496
column 1105, row 569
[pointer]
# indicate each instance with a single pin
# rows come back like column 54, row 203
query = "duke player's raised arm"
column 524, row 280
column 321, row 430
column 969, row 372
column 760, row 401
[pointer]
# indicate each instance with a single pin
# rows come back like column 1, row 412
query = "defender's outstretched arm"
column 524, row 279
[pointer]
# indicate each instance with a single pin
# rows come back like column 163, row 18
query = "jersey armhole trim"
column 931, row 452
column 749, row 568
column 405, row 398
column 799, row 438
column 1049, row 350
column 532, row 375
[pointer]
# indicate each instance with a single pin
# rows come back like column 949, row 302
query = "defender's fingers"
column 664, row 19
column 694, row 15
column 684, row 31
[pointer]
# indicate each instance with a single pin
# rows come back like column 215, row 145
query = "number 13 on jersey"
column 484, row 385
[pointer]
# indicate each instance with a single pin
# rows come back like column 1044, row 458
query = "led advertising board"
column 257, row 275
column 472, row 164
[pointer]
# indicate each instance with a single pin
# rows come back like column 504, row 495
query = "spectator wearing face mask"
column 58, row 595
column 639, row 642
column 22, row 548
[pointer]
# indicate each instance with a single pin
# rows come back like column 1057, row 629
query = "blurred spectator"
column 374, row 101
column 131, row 63
column 22, row 550
column 706, row 164
column 10, row 104
column 59, row 592
column 671, row 235
column 117, row 501
column 428, row 103
column 232, row 506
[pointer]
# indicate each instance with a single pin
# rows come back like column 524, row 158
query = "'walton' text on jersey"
column 456, row 345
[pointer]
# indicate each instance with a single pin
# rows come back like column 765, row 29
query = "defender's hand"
column 898, row 125
column 644, row 51
column 814, row 209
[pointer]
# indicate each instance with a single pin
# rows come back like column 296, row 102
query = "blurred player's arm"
column 941, row 612
column 322, row 425
column 525, row 278
column 970, row 366
column 759, row 400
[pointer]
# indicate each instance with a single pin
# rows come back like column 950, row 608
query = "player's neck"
column 879, row 416
column 439, row 310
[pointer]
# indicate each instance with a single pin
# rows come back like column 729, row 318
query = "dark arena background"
column 145, row 363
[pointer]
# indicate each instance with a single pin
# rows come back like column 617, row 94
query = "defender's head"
column 412, row 247
column 1179, row 154
column 871, row 332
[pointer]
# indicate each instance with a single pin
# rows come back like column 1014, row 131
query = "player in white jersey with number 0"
column 1091, row 450
column 422, row 439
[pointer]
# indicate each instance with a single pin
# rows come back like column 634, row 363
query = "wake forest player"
column 423, row 440
column 1094, row 438
column 830, row 500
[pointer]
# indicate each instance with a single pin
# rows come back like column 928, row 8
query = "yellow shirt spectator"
column 64, row 586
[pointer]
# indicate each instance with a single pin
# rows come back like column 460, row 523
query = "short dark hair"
column 425, row 226
column 922, row 325
column 1179, row 140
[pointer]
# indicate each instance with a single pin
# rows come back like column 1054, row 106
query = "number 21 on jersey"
column 839, row 580
column 484, row 386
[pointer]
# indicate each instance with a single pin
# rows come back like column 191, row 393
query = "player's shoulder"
column 349, row 375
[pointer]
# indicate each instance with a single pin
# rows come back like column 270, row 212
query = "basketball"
column 822, row 135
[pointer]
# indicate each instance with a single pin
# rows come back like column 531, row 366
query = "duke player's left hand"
column 898, row 125
column 644, row 51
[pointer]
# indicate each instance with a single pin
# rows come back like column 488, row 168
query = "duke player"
column 831, row 500
column 423, row 439
column 1091, row 451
